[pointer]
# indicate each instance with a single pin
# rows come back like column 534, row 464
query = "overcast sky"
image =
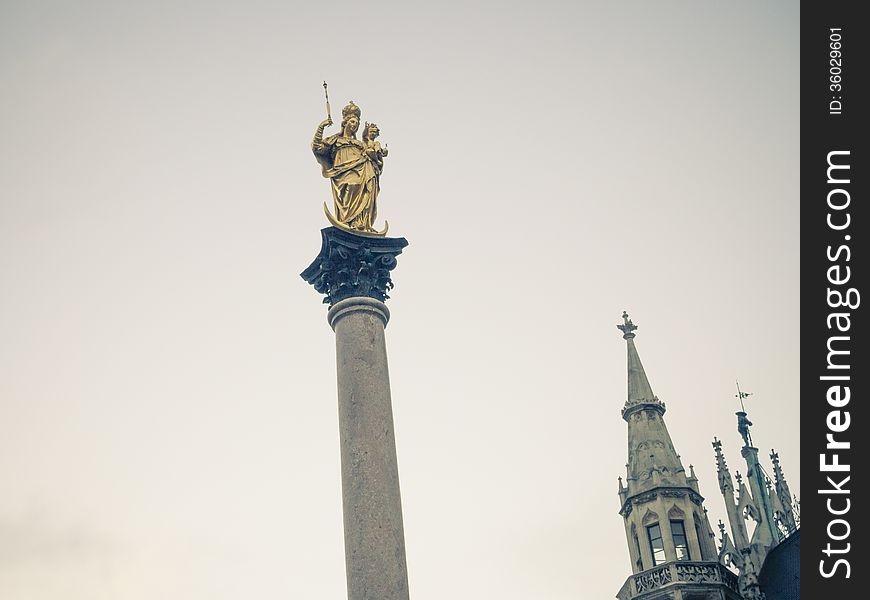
column 168, row 417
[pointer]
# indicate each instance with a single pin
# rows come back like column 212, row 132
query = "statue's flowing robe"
column 354, row 178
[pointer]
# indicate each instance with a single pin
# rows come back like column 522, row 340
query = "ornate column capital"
column 352, row 265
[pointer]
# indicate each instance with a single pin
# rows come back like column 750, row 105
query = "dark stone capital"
column 351, row 265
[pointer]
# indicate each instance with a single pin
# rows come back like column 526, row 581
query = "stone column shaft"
column 353, row 273
column 374, row 542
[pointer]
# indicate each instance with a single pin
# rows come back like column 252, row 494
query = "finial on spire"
column 640, row 394
column 720, row 458
column 791, row 516
column 627, row 327
column 777, row 468
column 741, row 395
column 738, row 477
column 725, row 483
column 779, row 478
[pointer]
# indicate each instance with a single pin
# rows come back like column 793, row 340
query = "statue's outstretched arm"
column 317, row 144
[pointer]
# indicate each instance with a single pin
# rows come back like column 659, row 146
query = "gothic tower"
column 670, row 541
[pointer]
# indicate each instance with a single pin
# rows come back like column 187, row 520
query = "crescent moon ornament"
column 336, row 223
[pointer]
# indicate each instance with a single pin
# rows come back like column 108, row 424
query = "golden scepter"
column 326, row 92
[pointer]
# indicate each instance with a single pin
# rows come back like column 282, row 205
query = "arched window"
column 681, row 544
column 656, row 544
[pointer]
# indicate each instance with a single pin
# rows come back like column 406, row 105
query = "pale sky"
column 168, row 416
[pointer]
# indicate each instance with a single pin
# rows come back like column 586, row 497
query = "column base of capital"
column 356, row 304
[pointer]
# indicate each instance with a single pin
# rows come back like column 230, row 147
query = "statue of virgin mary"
column 353, row 167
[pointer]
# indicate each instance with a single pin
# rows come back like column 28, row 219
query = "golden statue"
column 354, row 169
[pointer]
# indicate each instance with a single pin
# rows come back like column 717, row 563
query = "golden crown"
column 350, row 109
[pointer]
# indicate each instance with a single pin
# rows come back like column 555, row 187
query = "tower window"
column 656, row 546
column 681, row 544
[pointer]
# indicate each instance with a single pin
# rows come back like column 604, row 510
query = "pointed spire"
column 729, row 554
column 652, row 459
column 622, row 492
column 639, row 390
column 780, row 481
column 777, row 468
column 725, row 482
column 789, row 515
column 779, row 511
column 692, row 479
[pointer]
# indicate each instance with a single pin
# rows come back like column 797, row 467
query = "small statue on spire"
column 743, row 425
column 627, row 327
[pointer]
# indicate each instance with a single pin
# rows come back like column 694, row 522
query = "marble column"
column 353, row 272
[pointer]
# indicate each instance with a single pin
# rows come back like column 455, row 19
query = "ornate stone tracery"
column 667, row 492
column 652, row 579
